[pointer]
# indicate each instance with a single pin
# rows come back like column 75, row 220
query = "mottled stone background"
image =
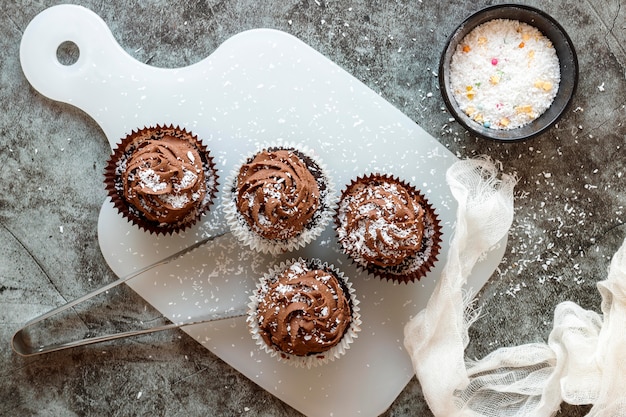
column 570, row 203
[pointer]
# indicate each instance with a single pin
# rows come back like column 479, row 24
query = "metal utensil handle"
column 24, row 348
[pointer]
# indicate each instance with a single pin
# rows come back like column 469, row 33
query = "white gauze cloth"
column 584, row 361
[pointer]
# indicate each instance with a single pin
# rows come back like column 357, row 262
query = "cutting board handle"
column 92, row 82
column 96, row 44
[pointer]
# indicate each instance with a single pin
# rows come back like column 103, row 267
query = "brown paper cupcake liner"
column 121, row 155
column 313, row 229
column 314, row 359
column 414, row 266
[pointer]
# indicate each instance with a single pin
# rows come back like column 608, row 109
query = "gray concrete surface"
column 570, row 204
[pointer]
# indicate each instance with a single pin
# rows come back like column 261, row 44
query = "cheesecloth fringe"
column 584, row 361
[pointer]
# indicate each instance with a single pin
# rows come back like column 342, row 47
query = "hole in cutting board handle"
column 68, row 53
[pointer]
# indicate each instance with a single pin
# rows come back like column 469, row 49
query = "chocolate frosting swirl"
column 164, row 179
column 303, row 311
column 382, row 222
column 277, row 194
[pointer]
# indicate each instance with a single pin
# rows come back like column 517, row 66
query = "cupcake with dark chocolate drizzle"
column 304, row 312
column 279, row 199
column 161, row 178
column 388, row 228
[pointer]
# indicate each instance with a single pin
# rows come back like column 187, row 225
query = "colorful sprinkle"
column 544, row 85
column 526, row 108
column 470, row 92
column 466, row 48
column 494, row 61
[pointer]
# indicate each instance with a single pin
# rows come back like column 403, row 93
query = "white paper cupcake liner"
column 247, row 237
column 315, row 359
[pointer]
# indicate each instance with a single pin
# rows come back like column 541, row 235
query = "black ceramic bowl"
column 564, row 50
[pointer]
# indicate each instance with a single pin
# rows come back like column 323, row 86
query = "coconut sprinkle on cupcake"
column 279, row 199
column 162, row 178
column 388, row 228
column 304, row 312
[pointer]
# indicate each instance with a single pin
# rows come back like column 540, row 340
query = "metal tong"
column 22, row 346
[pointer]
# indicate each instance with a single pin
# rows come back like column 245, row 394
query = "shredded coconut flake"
column 150, row 179
column 504, row 74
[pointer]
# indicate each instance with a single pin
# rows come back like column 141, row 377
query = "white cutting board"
column 259, row 87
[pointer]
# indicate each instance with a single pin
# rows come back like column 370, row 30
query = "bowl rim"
column 549, row 118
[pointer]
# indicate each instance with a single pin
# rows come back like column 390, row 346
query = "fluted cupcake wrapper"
column 414, row 267
column 316, row 359
column 132, row 214
column 312, row 230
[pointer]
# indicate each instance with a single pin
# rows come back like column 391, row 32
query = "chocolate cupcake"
column 388, row 228
column 279, row 199
column 161, row 178
column 304, row 312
